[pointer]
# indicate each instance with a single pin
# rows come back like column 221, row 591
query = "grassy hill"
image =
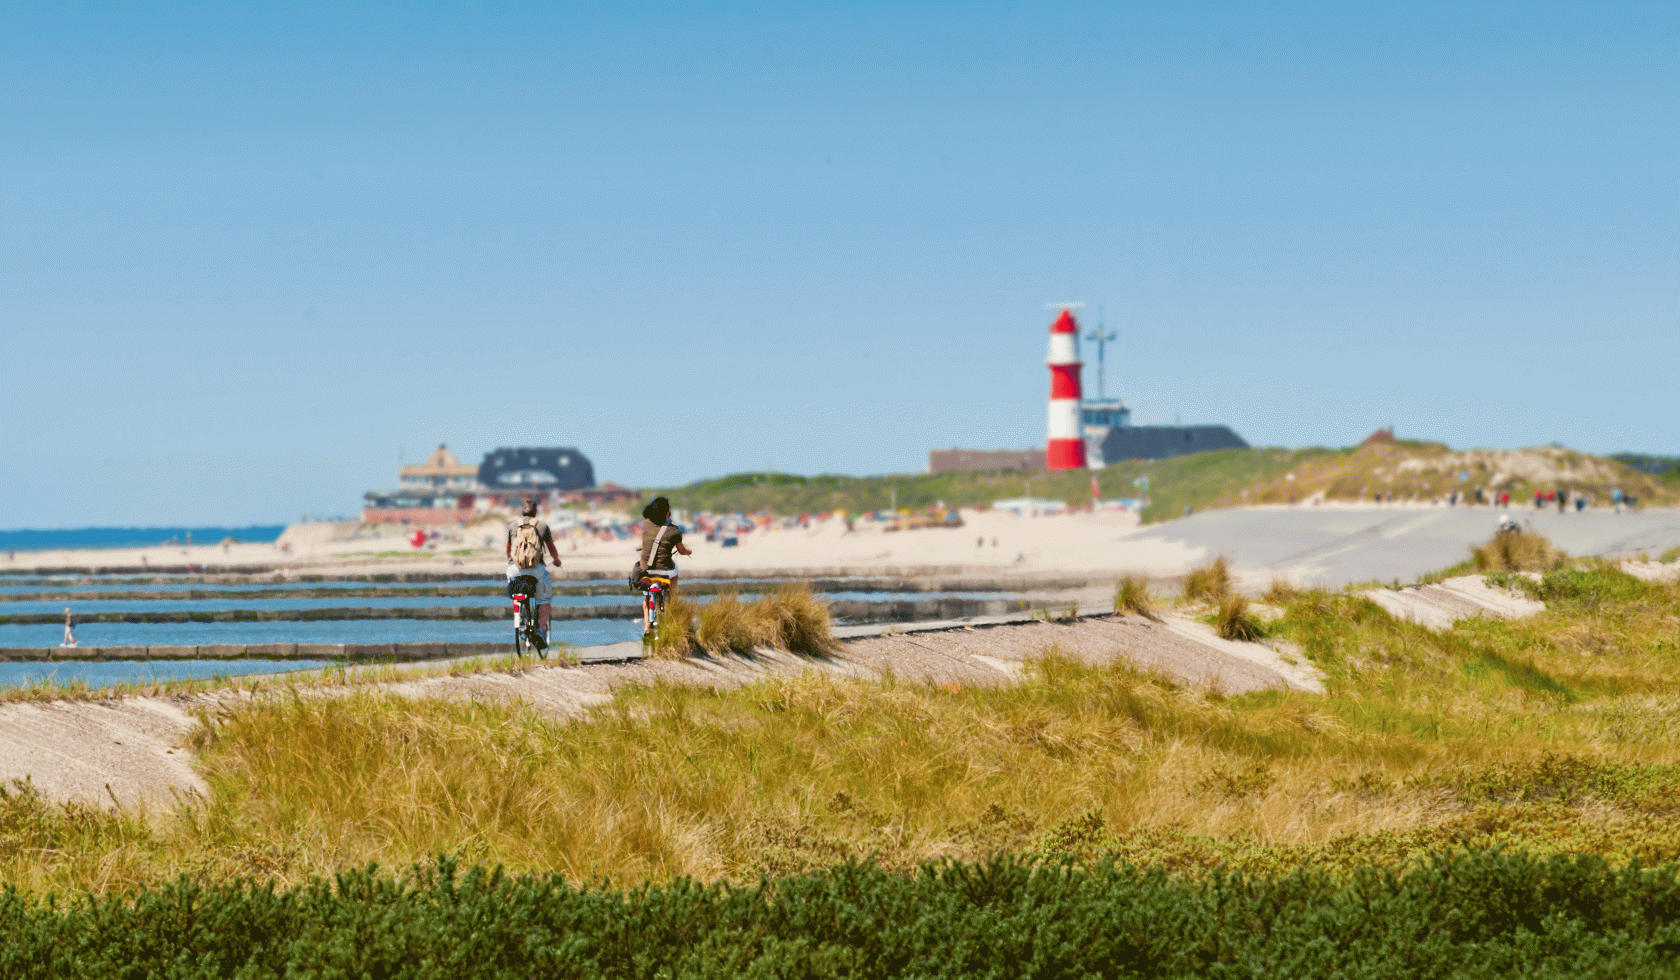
column 1175, row 483
column 1429, row 470
column 1228, row 477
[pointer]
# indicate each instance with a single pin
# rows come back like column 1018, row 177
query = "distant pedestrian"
column 69, row 629
column 980, row 542
column 1562, row 500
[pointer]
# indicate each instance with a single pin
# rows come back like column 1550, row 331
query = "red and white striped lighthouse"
column 1066, row 448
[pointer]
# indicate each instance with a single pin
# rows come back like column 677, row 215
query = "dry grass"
column 1282, row 592
column 1131, row 595
column 1210, row 583
column 335, row 675
column 1554, row 733
column 1235, row 621
column 791, row 618
column 1517, row 551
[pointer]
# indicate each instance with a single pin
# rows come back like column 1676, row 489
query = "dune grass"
column 1517, row 551
column 790, row 618
column 1558, row 733
column 1131, row 595
column 1210, row 583
column 1235, row 621
column 347, row 673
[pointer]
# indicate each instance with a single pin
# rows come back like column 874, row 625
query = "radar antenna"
column 1100, row 337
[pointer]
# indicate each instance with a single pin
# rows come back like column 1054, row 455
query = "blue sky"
column 252, row 254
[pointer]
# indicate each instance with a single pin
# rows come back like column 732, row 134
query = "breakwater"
column 376, row 652
column 850, row 611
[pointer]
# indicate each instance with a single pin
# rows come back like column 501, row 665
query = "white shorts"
column 540, row 573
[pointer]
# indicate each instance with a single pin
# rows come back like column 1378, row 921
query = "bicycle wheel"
column 520, row 617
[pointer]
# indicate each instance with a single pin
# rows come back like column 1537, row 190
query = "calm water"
column 96, row 586
column 81, row 606
column 97, row 674
column 581, row 632
column 86, row 606
column 130, row 537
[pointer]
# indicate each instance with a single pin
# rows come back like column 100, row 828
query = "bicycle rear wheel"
column 521, row 618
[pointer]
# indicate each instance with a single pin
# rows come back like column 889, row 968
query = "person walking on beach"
column 69, row 629
column 661, row 542
column 526, row 539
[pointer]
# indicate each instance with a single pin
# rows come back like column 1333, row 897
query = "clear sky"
column 252, row 255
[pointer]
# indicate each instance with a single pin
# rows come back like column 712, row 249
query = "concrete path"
column 1339, row 545
column 1440, row 605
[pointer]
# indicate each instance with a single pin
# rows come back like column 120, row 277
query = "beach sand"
column 993, row 541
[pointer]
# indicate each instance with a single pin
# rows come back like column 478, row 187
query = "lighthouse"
column 1066, row 447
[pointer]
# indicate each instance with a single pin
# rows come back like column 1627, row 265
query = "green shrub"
column 1474, row 914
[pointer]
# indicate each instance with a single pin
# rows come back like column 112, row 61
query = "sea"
column 131, row 537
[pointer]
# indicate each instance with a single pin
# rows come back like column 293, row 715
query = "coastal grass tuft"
column 677, row 634
column 790, row 618
column 1282, row 592
column 726, row 625
column 1131, row 595
column 1517, row 551
column 1235, row 621
column 1210, row 583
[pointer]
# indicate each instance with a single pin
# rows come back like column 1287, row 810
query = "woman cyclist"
column 661, row 542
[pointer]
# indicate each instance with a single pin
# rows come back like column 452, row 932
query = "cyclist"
column 661, row 542
column 526, row 539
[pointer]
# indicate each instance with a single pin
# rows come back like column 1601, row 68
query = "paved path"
column 1337, row 545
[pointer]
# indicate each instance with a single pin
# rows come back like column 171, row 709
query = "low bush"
column 1474, row 914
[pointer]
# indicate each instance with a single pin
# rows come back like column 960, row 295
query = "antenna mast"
column 1100, row 337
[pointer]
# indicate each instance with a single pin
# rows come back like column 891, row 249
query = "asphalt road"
column 1337, row 545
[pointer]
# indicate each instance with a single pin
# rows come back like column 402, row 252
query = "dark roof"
column 513, row 469
column 1161, row 441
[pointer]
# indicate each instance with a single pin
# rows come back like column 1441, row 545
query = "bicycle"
column 655, row 591
column 527, row 634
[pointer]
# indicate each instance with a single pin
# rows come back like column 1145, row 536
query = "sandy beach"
column 1332, row 544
